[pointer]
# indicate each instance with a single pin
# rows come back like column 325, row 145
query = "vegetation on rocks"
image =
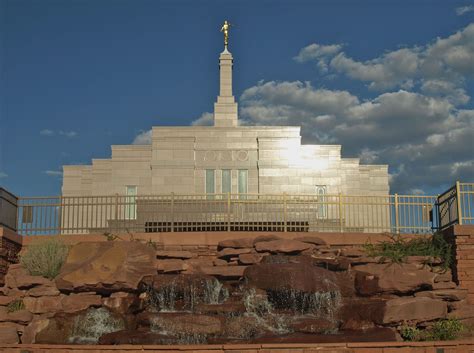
column 45, row 257
column 15, row 305
column 398, row 249
column 442, row 330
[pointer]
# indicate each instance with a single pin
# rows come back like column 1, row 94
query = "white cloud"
column 206, row 119
column 53, row 173
column 445, row 59
column 464, row 9
column 68, row 133
column 3, row 175
column 143, row 138
column 419, row 136
column 46, row 132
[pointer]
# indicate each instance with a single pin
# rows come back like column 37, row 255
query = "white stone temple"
column 225, row 158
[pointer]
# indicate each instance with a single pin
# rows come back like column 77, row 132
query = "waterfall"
column 92, row 324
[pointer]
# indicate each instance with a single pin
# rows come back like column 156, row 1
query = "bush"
column 15, row 305
column 398, row 249
column 442, row 330
column 45, row 257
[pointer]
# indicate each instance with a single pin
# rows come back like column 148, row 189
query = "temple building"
column 225, row 158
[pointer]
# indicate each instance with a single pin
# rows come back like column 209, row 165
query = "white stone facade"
column 178, row 157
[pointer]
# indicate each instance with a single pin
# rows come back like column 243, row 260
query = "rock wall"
column 462, row 239
column 10, row 246
column 251, row 290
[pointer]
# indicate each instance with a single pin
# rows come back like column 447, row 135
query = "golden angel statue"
column 225, row 28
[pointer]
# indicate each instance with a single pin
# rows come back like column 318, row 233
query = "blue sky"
column 392, row 81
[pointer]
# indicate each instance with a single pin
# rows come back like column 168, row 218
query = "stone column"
column 225, row 109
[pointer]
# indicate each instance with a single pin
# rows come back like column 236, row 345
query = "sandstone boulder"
column 20, row 316
column 171, row 265
column 42, row 305
column 444, row 294
column 236, row 243
column 18, row 277
column 412, row 309
column 78, row 302
column 231, row 252
column 360, row 313
column 229, row 272
column 106, row 267
column 282, row 246
column 136, row 337
column 263, row 238
column 314, row 325
column 250, row 259
column 462, row 313
column 9, row 334
column 30, row 331
column 392, row 278
column 121, row 302
column 44, row 290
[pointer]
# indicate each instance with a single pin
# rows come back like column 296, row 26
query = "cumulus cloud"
column 448, row 59
column 143, row 138
column 68, row 133
column 206, row 119
column 3, row 175
column 464, row 9
column 53, row 173
column 419, row 136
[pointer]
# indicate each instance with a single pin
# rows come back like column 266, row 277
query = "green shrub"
column 397, row 249
column 15, row 305
column 442, row 330
column 45, row 257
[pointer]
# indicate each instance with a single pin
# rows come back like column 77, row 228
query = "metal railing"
column 225, row 212
column 456, row 205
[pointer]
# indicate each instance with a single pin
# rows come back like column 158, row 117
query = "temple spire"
column 225, row 109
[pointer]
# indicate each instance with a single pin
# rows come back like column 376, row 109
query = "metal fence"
column 225, row 212
column 456, row 205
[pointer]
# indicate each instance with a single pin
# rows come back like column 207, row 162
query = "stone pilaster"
column 225, row 109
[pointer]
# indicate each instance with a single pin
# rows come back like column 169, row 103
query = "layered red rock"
column 412, row 309
column 236, row 243
column 106, row 267
column 392, row 278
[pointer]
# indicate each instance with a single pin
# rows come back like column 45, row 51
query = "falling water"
column 94, row 323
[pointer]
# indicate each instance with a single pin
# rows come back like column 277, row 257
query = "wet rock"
column 311, row 240
column 106, row 267
column 136, row 337
column 236, row 243
column 181, row 323
column 241, row 328
column 171, row 265
column 444, row 294
column 411, row 309
column 18, row 277
column 9, row 334
column 174, row 254
column 392, row 278
column 282, row 246
column 228, row 253
column 229, row 272
column 221, row 309
column 300, row 277
column 313, row 325
column 250, row 259
column 360, row 313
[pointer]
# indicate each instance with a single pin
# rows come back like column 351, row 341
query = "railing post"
column 284, row 212
column 172, row 212
column 228, row 211
column 341, row 227
column 397, row 224
column 116, row 212
column 458, row 200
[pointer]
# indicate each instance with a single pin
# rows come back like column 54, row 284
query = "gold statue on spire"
column 225, row 28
